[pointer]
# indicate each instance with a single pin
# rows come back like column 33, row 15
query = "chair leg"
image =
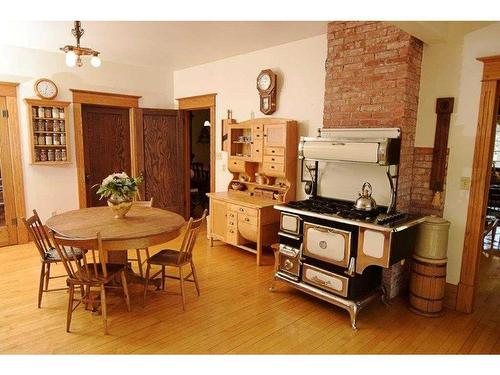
column 47, row 277
column 148, row 270
column 163, row 281
column 195, row 277
column 40, row 285
column 70, row 306
column 87, row 295
column 104, row 308
column 139, row 261
column 181, row 279
column 125, row 289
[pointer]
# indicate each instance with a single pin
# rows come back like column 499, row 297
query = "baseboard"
column 450, row 296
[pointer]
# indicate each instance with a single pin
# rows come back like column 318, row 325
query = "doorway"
column 199, row 151
column 106, row 142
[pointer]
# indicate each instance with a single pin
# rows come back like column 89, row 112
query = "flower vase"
column 119, row 207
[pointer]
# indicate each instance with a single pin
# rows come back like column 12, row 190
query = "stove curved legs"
column 385, row 296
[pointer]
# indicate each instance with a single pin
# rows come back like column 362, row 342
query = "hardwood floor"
column 234, row 314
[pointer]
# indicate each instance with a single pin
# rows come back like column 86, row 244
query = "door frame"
column 206, row 101
column 481, row 174
column 9, row 91
column 81, row 97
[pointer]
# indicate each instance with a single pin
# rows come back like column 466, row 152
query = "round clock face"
column 264, row 82
column 45, row 88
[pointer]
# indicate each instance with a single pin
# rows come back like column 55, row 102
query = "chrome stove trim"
column 402, row 226
column 353, row 307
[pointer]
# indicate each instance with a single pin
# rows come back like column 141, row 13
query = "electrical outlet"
column 464, row 183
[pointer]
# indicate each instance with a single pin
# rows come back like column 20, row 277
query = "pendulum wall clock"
column 266, row 85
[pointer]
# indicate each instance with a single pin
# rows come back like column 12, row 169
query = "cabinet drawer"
column 257, row 150
column 236, row 165
column 232, row 236
column 274, row 151
column 231, row 222
column 273, row 169
column 325, row 280
column 258, row 136
column 244, row 210
column 242, row 218
column 274, row 159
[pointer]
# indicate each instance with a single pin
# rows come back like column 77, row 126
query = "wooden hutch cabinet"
column 262, row 156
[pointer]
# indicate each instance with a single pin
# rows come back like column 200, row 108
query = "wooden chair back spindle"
column 40, row 237
column 193, row 227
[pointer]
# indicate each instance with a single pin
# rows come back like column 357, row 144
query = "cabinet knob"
column 247, row 219
column 241, row 209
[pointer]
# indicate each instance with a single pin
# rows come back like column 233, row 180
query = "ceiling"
column 172, row 44
column 181, row 44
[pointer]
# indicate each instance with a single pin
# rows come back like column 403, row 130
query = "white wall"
column 54, row 189
column 300, row 67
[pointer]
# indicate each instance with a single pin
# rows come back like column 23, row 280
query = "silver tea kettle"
column 365, row 202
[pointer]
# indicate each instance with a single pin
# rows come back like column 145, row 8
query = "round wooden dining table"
column 142, row 227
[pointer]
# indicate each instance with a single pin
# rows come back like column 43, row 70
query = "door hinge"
column 5, row 113
column 14, row 221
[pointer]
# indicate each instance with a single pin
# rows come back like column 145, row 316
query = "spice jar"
column 61, row 126
column 55, row 126
column 43, row 155
column 63, row 154
column 55, row 112
column 48, row 139
column 41, row 139
column 63, row 138
column 56, row 139
column 34, row 111
column 35, row 139
column 48, row 112
column 58, row 155
column 41, row 112
column 47, row 126
column 61, row 113
column 37, row 155
column 50, row 155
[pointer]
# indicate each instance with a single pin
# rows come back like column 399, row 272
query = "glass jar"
column 63, row 154
column 56, row 140
column 41, row 139
column 47, row 126
column 34, row 111
column 41, row 112
column 61, row 113
column 63, row 138
column 55, row 112
column 58, row 154
column 61, row 126
column 48, row 112
column 35, row 139
column 50, row 155
column 43, row 155
column 55, row 126
column 37, row 155
column 48, row 139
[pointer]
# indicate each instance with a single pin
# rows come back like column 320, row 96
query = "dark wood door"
column 106, row 142
column 162, row 158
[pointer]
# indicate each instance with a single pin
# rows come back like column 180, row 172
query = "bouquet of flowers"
column 119, row 187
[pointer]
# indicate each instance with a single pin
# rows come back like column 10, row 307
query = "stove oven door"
column 328, row 244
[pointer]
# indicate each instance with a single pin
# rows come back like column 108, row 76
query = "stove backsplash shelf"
column 362, row 146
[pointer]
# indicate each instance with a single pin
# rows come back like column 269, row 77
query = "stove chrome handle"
column 291, row 236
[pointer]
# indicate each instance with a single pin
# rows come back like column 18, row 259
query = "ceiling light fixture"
column 74, row 53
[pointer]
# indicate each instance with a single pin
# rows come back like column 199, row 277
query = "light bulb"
column 95, row 61
column 70, row 58
column 206, row 123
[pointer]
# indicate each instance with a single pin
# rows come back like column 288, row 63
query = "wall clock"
column 45, row 88
column 266, row 85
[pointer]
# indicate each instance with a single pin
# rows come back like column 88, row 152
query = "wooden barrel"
column 427, row 285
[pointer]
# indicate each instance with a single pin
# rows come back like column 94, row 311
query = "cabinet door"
column 218, row 222
column 275, row 135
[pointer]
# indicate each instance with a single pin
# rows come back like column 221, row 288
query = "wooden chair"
column 94, row 274
column 48, row 253
column 177, row 258
column 139, row 260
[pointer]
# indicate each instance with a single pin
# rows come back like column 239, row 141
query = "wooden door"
column 162, row 158
column 106, row 142
column 8, row 229
column 275, row 135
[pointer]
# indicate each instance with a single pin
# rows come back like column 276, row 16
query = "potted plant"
column 119, row 189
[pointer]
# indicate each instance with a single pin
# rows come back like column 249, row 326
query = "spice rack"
column 49, row 133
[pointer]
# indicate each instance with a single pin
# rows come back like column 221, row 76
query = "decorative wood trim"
column 105, row 98
column 206, row 101
column 134, row 168
column 481, row 171
column 491, row 69
column 79, row 154
column 8, row 88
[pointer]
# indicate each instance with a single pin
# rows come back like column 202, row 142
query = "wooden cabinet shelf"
column 48, row 154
